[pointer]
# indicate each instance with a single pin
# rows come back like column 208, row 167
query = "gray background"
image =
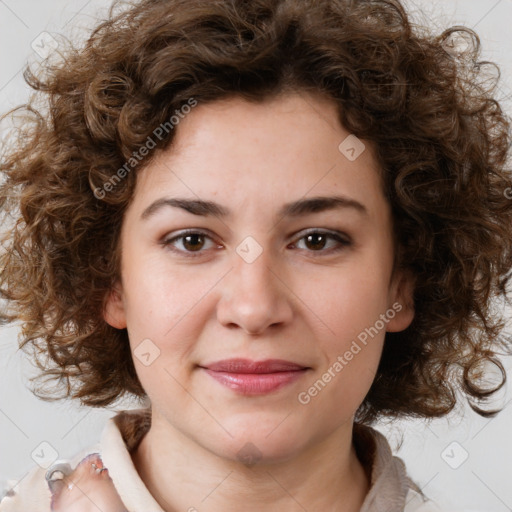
column 463, row 461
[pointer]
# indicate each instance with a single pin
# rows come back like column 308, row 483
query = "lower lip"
column 255, row 383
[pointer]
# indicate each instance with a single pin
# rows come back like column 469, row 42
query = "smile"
column 255, row 377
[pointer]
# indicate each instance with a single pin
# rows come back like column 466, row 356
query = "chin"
column 261, row 442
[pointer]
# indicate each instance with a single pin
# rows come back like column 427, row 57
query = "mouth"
column 249, row 377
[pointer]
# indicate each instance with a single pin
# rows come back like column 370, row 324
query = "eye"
column 316, row 241
column 191, row 242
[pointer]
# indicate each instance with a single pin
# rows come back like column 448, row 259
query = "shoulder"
column 65, row 487
column 36, row 489
column 416, row 502
column 31, row 492
column 391, row 488
column 89, row 475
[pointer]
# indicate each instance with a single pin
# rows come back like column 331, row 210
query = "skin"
column 298, row 301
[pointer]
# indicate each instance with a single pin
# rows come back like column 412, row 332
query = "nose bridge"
column 255, row 296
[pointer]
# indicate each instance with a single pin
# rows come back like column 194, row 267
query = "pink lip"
column 255, row 377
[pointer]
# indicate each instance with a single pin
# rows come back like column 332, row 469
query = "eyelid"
column 343, row 240
column 323, row 231
column 167, row 240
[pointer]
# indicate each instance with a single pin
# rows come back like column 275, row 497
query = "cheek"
column 166, row 312
column 350, row 311
column 350, row 357
column 159, row 297
column 350, row 301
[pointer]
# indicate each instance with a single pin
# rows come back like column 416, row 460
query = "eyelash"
column 343, row 242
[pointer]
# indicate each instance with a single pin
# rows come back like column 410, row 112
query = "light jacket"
column 42, row 490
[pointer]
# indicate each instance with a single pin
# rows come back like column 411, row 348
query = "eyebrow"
column 294, row 209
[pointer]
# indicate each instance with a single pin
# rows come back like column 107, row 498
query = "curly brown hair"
column 439, row 134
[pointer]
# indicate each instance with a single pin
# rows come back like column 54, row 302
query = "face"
column 259, row 316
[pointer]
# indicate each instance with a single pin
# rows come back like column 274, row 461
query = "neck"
column 182, row 475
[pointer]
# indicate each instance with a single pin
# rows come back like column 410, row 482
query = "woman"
column 276, row 222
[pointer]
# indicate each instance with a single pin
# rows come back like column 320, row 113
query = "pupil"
column 318, row 237
column 192, row 237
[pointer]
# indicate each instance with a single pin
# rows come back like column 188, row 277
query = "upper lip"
column 250, row 366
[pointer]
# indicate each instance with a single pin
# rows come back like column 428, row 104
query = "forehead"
column 246, row 154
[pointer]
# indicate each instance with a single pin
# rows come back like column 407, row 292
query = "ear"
column 114, row 310
column 401, row 300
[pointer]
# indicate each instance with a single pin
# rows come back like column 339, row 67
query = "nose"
column 255, row 296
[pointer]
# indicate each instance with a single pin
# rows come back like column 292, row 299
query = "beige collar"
column 389, row 483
